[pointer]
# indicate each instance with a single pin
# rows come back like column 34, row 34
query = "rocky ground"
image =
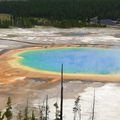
column 107, row 94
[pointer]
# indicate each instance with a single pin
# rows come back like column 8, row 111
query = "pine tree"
column 57, row 114
column 1, row 116
column 26, row 116
column 77, row 109
column 8, row 112
column 33, row 116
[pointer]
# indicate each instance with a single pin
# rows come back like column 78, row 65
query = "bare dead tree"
column 93, row 108
column 61, row 103
column 19, row 117
column 26, row 112
column 40, row 113
column 47, row 108
column 44, row 110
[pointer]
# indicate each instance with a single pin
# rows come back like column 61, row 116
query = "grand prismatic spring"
column 75, row 60
column 83, row 63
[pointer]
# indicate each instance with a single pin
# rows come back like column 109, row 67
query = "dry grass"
column 5, row 16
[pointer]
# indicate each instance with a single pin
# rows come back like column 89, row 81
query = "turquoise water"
column 75, row 60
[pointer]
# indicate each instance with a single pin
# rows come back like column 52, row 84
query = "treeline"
column 63, row 9
column 29, row 22
column 5, row 23
column 58, row 13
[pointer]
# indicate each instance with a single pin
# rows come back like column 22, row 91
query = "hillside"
column 63, row 9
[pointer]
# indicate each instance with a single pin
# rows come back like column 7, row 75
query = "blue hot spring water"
column 75, row 60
